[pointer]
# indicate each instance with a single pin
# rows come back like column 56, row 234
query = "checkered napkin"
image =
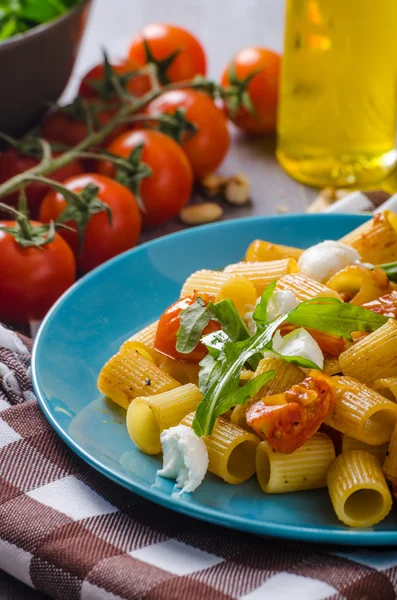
column 70, row 533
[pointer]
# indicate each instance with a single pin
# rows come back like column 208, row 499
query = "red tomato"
column 137, row 86
column 169, row 186
column 163, row 41
column 207, row 148
column 165, row 341
column 102, row 239
column 62, row 128
column 329, row 344
column 262, row 89
column 32, row 278
column 289, row 423
column 385, row 305
column 12, row 163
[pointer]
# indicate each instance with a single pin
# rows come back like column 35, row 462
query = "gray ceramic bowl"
column 35, row 67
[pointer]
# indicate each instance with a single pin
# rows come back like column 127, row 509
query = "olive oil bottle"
column 338, row 100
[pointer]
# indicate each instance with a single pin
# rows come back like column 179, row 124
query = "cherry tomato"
column 162, row 43
column 169, row 186
column 32, row 278
column 12, row 163
column 329, row 344
column 207, row 148
column 385, row 305
column 102, row 239
column 64, row 129
column 262, row 89
column 169, row 323
column 137, row 86
column 289, row 423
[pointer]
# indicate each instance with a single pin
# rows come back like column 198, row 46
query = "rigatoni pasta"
column 349, row 443
column 361, row 412
column 305, row 288
column 304, row 469
column 373, row 357
column 358, row 489
column 231, row 451
column 375, row 240
column 261, row 274
column 260, row 250
column 358, row 284
column 148, row 416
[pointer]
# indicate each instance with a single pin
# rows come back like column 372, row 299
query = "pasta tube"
column 358, row 490
column 375, row 240
column 349, row 443
column 221, row 285
column 231, row 450
column 128, row 374
column 390, row 464
column 361, row 413
column 331, row 366
column 181, row 371
column 304, row 469
column 261, row 274
column 387, row 387
column 146, row 335
column 264, row 251
column 286, row 376
column 148, row 416
column 305, row 288
column 357, row 284
column 374, row 356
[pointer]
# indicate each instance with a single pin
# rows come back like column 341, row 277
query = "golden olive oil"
column 338, row 101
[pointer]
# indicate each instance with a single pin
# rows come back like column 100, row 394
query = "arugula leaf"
column 193, row 320
column 260, row 311
column 337, row 318
column 221, row 386
column 209, row 372
column 212, row 405
column 196, row 317
column 305, row 363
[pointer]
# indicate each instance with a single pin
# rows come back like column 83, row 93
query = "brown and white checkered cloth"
column 70, row 533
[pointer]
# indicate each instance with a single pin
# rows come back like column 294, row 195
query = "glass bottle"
column 338, row 100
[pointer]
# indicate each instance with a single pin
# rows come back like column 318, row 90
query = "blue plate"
column 87, row 326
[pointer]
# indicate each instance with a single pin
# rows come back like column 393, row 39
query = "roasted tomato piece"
column 289, row 425
column 165, row 341
column 385, row 305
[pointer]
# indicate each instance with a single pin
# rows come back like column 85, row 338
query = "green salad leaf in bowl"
column 17, row 16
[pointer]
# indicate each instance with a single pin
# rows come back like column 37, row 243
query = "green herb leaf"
column 193, row 320
column 336, row 318
column 230, row 319
column 213, row 405
column 260, row 311
column 305, row 363
column 209, row 372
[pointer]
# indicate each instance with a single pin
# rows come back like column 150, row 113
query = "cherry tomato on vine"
column 169, row 323
column 289, row 423
column 13, row 162
column 169, row 186
column 33, row 277
column 177, row 54
column 206, row 148
column 96, row 83
column 103, row 237
column 63, row 128
column 252, row 80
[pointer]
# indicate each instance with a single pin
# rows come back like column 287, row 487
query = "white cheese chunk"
column 299, row 343
column 185, row 457
column 280, row 303
column 323, row 260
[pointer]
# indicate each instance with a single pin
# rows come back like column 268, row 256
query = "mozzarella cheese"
column 280, row 303
column 185, row 457
column 299, row 343
column 323, row 260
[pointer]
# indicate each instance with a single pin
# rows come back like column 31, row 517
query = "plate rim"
column 357, row 537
